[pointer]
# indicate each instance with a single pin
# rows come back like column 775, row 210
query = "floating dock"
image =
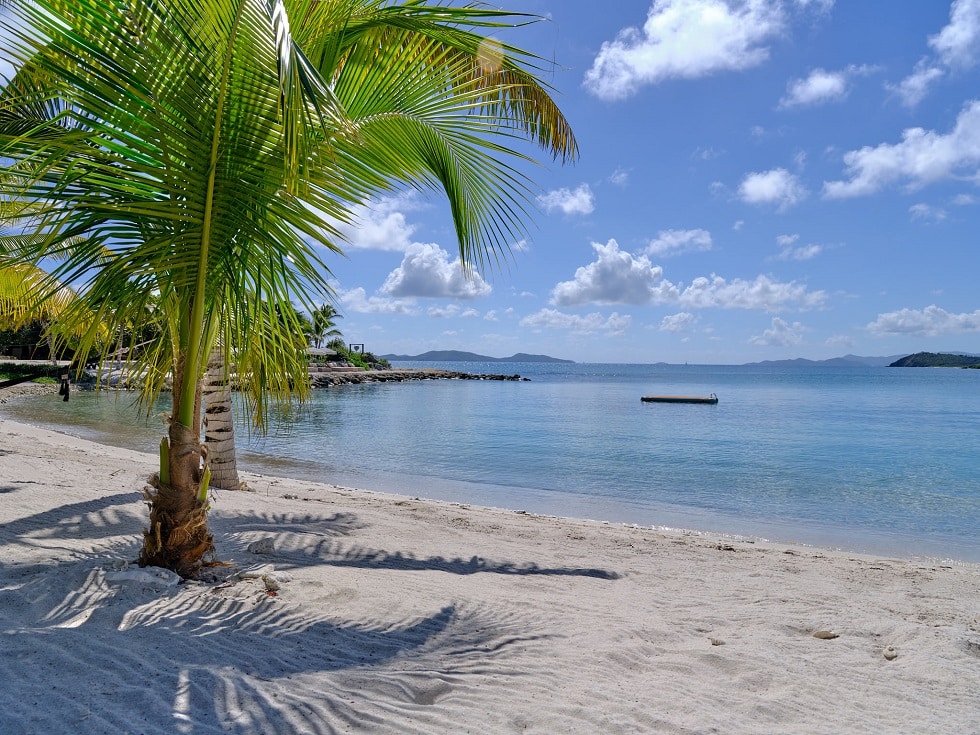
column 680, row 399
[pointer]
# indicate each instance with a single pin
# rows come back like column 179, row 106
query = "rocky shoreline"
column 317, row 380
column 353, row 377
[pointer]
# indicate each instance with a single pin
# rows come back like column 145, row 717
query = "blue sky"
column 758, row 180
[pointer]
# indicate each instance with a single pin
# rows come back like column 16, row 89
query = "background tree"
column 323, row 321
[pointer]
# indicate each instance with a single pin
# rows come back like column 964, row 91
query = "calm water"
column 883, row 460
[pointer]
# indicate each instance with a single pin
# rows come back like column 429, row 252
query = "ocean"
column 873, row 460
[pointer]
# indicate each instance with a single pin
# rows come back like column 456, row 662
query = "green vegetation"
column 938, row 359
column 366, row 360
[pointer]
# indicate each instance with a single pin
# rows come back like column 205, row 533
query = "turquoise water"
column 882, row 460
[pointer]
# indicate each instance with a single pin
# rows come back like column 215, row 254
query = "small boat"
column 680, row 399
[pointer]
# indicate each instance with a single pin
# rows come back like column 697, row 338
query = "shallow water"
column 883, row 460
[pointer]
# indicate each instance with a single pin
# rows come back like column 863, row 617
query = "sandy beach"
column 348, row 611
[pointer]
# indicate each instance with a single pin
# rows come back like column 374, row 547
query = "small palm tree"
column 204, row 148
column 323, row 318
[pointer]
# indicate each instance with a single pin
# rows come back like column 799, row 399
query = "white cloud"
column 615, row 323
column 762, row 294
column 380, row 225
column 676, row 242
column 957, row 46
column 818, row 88
column 929, row 322
column 776, row 186
column 615, row 277
column 579, row 201
column 780, row 334
column 822, row 86
column 677, row 322
column 922, row 157
column 426, row 272
column 619, row 177
column 491, row 316
column 685, row 39
column 803, row 252
column 443, row 312
column 959, row 42
column 927, row 212
column 964, row 200
column 913, row 89
column 356, row 300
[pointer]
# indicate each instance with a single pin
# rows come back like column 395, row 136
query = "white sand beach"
column 373, row 613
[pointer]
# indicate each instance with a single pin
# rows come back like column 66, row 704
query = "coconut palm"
column 205, row 149
column 323, row 318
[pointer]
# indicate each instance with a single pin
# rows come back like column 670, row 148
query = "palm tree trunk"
column 178, row 537
column 219, row 426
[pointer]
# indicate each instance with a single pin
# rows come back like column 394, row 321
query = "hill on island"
column 458, row 356
column 938, row 359
column 845, row 361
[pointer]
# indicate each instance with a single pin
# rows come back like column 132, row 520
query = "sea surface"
column 876, row 460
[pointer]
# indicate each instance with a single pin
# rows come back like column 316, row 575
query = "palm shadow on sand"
column 87, row 651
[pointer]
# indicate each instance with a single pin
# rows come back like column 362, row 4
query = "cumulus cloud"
column 922, row 157
column 357, row 300
column 931, row 321
column 821, row 87
column 676, row 242
column 577, row 201
column 677, row 322
column 614, row 324
column 776, row 186
column 780, row 334
column 762, row 294
column 380, row 225
column 427, row 272
column 685, row 39
column 618, row 277
column 615, row 277
column 956, row 46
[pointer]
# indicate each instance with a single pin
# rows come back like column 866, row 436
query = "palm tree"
column 204, row 148
column 323, row 318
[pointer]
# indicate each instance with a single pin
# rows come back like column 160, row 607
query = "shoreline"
column 398, row 615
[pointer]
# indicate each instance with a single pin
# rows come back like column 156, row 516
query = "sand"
column 347, row 611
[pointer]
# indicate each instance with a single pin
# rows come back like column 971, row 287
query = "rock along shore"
column 348, row 377
column 318, row 379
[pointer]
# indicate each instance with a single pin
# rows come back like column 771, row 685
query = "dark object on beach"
column 63, row 391
column 680, row 399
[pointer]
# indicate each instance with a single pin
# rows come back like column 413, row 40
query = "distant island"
column 845, row 361
column 938, row 359
column 458, row 356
